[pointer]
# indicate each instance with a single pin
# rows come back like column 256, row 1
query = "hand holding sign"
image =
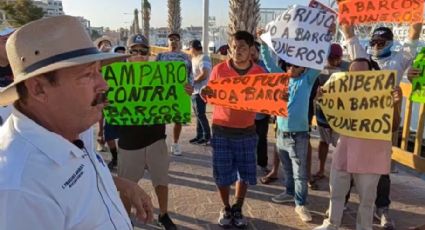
column 318, row 5
column 206, row 91
column 189, row 89
column 413, row 73
column 397, row 95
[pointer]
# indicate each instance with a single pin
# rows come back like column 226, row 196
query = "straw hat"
column 46, row 45
column 104, row 38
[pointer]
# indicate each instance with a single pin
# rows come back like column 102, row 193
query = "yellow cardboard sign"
column 359, row 104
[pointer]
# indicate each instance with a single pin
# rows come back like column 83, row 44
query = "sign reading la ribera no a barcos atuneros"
column 359, row 104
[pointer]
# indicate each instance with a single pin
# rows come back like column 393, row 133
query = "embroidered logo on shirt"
column 74, row 178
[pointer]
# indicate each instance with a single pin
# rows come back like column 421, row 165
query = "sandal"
column 268, row 180
column 318, row 176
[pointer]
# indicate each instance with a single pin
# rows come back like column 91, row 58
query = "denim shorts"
column 234, row 158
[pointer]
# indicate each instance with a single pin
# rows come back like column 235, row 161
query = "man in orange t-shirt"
column 234, row 140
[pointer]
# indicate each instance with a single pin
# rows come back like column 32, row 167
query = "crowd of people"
column 52, row 176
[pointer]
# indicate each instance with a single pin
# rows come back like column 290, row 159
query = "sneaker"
column 165, row 222
column 100, row 148
column 202, row 142
column 175, row 150
column 112, row 165
column 194, row 140
column 382, row 215
column 283, row 198
column 239, row 220
column 303, row 213
column 225, row 219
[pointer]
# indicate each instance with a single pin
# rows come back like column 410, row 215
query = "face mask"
column 381, row 53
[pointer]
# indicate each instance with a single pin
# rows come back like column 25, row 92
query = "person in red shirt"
column 234, row 140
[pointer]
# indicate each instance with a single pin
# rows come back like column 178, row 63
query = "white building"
column 269, row 14
column 50, row 7
column 86, row 23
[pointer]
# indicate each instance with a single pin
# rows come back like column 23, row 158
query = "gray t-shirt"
column 178, row 56
column 198, row 63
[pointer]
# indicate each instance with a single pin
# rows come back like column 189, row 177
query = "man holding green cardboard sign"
column 144, row 96
column 416, row 76
column 175, row 54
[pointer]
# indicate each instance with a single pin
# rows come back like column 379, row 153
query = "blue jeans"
column 292, row 149
column 203, row 130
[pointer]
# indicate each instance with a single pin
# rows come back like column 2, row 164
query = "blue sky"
column 119, row 13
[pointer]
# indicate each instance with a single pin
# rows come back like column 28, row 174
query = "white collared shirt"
column 398, row 60
column 46, row 182
column 4, row 113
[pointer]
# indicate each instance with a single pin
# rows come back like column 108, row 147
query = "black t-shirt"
column 320, row 81
column 6, row 76
column 137, row 137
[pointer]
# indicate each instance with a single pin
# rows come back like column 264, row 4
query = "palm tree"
column 146, row 15
column 135, row 27
column 174, row 16
column 243, row 15
column 20, row 12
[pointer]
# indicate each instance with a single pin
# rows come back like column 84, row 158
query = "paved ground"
column 194, row 203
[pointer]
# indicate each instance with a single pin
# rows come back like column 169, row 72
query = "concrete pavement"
column 195, row 204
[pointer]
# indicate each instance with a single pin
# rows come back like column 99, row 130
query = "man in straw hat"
column 50, row 178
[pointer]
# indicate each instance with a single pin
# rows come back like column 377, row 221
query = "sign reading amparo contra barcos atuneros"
column 263, row 93
column 146, row 93
column 359, row 104
column 301, row 36
column 355, row 12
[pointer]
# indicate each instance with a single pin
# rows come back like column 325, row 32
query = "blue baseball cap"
column 6, row 31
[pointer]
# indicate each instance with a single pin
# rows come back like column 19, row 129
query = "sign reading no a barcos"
column 301, row 36
column 146, row 93
column 262, row 93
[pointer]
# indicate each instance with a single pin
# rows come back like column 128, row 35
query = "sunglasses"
column 139, row 51
column 379, row 43
column 173, row 39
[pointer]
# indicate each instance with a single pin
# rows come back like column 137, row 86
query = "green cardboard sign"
column 146, row 93
column 418, row 84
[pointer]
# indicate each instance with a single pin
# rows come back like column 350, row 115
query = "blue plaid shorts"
column 234, row 158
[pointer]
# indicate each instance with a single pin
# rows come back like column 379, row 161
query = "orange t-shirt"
column 229, row 117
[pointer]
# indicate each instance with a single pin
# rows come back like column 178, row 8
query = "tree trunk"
column 174, row 16
column 243, row 15
column 146, row 13
column 136, row 27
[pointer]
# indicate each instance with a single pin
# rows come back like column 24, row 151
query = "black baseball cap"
column 383, row 33
column 195, row 44
column 174, row 35
column 137, row 39
column 119, row 48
